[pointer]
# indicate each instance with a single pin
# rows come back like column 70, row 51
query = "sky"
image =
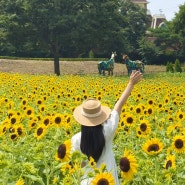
column 166, row 7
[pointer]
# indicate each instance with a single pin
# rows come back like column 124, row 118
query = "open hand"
column 135, row 77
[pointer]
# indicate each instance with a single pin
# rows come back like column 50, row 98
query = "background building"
column 157, row 20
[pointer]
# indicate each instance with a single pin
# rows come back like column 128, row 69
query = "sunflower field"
column 36, row 125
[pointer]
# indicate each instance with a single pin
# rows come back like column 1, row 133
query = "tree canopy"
column 73, row 28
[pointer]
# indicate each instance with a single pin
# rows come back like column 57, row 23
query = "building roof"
column 160, row 16
column 140, row 1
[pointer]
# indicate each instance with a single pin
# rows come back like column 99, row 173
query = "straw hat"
column 91, row 113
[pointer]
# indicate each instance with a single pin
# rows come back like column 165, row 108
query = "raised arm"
column 135, row 77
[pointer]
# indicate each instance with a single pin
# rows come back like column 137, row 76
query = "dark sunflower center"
column 150, row 102
column 68, row 120
column 139, row 132
column 39, row 131
column 179, row 143
column 24, row 102
column 129, row 120
column 149, row 111
column 13, row 120
column 103, row 182
column 180, row 116
column 153, row 147
column 13, row 136
column 160, row 105
column 138, row 110
column 39, row 102
column 168, row 164
column 143, row 127
column 29, row 112
column 124, row 164
column 46, row 122
column 62, row 151
column 19, row 131
column 33, row 124
column 57, row 120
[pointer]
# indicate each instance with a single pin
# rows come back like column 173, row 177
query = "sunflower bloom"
column 58, row 119
column 92, row 162
column 40, row 132
column 129, row 120
column 178, row 144
column 128, row 166
column 153, row 146
column 180, row 115
column 103, row 178
column 144, row 128
column 64, row 151
column 20, row 182
column 170, row 162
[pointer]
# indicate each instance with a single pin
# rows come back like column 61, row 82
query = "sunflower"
column 170, row 162
column 144, row 128
column 68, row 168
column 46, row 120
column 65, row 104
column 64, row 151
column 178, row 143
column 151, row 102
column 174, row 129
column 103, row 178
column 39, row 101
column 32, row 123
column 57, row 120
column 152, row 146
column 180, row 115
column 14, row 119
column 20, row 130
column 20, row 182
column 139, row 110
column 166, row 100
column 40, row 131
column 128, row 166
column 129, row 119
column 149, row 110
column 55, row 180
column 92, row 162
column 42, row 108
column 29, row 111
column 68, row 118
column 11, row 113
column 13, row 136
column 24, row 102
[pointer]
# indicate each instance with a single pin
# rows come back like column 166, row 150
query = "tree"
column 178, row 26
column 72, row 28
column 177, row 66
column 135, row 23
column 148, row 50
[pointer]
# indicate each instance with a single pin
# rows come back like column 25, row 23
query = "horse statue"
column 133, row 65
column 107, row 65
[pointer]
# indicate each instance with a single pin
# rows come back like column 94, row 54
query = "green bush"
column 169, row 67
column 91, row 54
column 177, row 66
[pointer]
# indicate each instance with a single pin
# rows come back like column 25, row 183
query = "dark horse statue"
column 133, row 65
column 107, row 65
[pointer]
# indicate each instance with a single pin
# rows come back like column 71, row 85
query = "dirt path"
column 66, row 67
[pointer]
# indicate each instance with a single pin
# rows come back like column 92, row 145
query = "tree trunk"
column 56, row 58
column 56, row 65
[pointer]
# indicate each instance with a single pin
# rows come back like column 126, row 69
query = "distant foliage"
column 169, row 67
column 178, row 66
column 91, row 54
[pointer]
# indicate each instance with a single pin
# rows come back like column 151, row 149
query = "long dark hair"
column 92, row 141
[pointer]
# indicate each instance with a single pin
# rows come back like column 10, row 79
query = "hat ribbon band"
column 91, row 115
